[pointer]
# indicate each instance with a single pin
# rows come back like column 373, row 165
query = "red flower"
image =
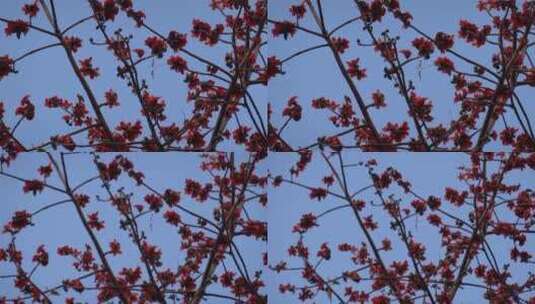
column 94, row 222
column 307, row 221
column 110, row 10
column 72, row 43
column 443, row 41
column 293, row 110
column 34, row 186
column 65, row 140
column 380, row 300
column 396, row 132
column 433, row 202
column 20, row 220
column 5, row 66
column 177, row 40
column 318, row 193
column 298, row 11
column 226, row 278
column 129, row 130
column 378, row 99
column 111, row 98
column 115, row 247
column 26, row 108
column 154, row 201
column 422, row 107
column 30, row 9
column 17, row 27
column 45, row 171
column 153, row 106
column 445, row 65
column 472, row 34
column 151, row 254
column 324, row 252
column 455, row 197
column 354, row 70
column 86, row 67
column 272, row 69
column 434, row 220
column 172, row 217
column 157, row 46
column 255, row 228
column 425, row 47
column 197, row 191
column 204, row 32
column 41, row 256
column 285, row 28
column 340, row 44
column 171, row 197
column 178, row 64
column 240, row 134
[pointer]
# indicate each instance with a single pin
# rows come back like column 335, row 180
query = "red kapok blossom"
column 33, row 186
column 318, row 193
column 378, row 99
column 293, row 110
column 41, row 256
column 86, row 67
column 354, row 70
column 424, row 46
column 172, row 217
column 72, row 43
column 178, row 64
column 298, row 11
column 340, row 44
column 443, row 41
column 285, row 28
column 30, row 10
column 6, row 64
column 472, row 34
column 204, row 32
column 177, row 40
column 158, row 46
column 26, row 109
column 445, row 65
column 18, row 27
column 306, row 222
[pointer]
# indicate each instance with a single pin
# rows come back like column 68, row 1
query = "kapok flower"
column 285, row 28
column 17, row 27
column 443, row 41
column 87, row 69
column 354, row 70
column 178, row 64
column 6, row 64
column 445, row 65
column 425, row 47
column 340, row 44
column 26, row 108
column 157, row 46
